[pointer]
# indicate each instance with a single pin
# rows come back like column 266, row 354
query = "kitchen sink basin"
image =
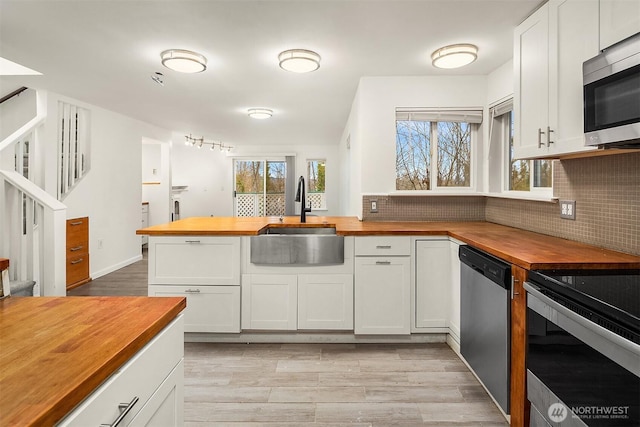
column 297, row 246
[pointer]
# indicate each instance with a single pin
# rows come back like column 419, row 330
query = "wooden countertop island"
column 531, row 251
column 55, row 351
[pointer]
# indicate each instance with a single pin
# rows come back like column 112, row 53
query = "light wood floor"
column 320, row 385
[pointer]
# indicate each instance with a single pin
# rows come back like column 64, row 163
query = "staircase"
column 32, row 222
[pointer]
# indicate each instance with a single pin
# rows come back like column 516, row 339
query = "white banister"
column 33, row 239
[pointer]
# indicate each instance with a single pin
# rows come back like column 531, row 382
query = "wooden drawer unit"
column 77, row 252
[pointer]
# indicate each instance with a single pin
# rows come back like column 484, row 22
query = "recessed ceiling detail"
column 260, row 113
column 299, row 60
column 454, row 56
column 183, row 61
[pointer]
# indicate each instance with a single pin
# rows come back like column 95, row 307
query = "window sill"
column 524, row 196
column 428, row 193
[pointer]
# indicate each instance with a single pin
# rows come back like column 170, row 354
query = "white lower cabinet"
column 454, row 292
column 433, row 279
column 325, row 301
column 209, row 308
column 150, row 385
column 269, row 301
column 382, row 295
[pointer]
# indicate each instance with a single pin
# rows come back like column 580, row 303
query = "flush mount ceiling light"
column 454, row 56
column 184, row 61
column 299, row 60
column 260, row 113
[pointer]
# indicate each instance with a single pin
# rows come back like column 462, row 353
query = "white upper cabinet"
column 619, row 19
column 549, row 49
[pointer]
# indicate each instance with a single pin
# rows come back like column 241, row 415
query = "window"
column 316, row 184
column 258, row 193
column 532, row 176
column 434, row 148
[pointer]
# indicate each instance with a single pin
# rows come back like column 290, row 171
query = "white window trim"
column 474, row 115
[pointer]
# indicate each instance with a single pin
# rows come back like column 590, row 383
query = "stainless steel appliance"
column 485, row 315
column 583, row 349
column 612, row 96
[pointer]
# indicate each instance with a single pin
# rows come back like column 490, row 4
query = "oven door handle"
column 622, row 351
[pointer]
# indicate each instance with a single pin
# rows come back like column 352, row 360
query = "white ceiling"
column 104, row 52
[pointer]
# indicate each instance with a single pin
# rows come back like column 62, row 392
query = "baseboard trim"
column 115, row 267
column 316, row 338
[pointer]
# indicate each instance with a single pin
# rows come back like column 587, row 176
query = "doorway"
column 259, row 187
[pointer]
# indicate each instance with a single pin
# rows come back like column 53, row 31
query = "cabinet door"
column 325, row 301
column 454, row 292
column 531, row 92
column 209, row 308
column 382, row 295
column 269, row 301
column 194, row 260
column 433, row 276
column 166, row 405
column 573, row 39
column 619, row 19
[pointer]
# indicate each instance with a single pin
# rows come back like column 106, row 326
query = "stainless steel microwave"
column 612, row 96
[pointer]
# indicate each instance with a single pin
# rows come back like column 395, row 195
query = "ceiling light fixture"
column 299, row 60
column 454, row 56
column 260, row 113
column 200, row 142
column 184, row 61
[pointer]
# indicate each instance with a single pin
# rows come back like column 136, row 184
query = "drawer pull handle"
column 77, row 248
column 192, row 241
column 76, row 223
column 77, row 261
column 383, row 247
column 383, row 262
column 192, row 291
column 124, row 410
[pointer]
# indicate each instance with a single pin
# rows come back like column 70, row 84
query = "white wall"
column 110, row 194
column 372, row 122
column 209, row 174
column 17, row 111
column 500, row 83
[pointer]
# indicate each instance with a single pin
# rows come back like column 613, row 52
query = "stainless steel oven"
column 612, row 96
column 583, row 348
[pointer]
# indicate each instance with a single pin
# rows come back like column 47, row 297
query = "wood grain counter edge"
column 60, row 405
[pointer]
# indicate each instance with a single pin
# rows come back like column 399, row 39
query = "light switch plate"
column 374, row 206
column 568, row 209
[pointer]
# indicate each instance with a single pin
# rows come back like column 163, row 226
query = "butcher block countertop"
column 55, row 351
column 532, row 251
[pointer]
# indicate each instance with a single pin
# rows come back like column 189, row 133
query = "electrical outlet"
column 100, row 243
column 568, row 209
column 374, row 206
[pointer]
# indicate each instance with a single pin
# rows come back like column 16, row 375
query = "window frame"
column 506, row 139
column 433, row 153
column 323, row 206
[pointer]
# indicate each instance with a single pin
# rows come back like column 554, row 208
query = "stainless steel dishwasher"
column 485, row 316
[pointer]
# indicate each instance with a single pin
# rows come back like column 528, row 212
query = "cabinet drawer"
column 77, row 232
column 77, row 268
column 138, row 378
column 383, row 245
column 194, row 260
column 209, row 308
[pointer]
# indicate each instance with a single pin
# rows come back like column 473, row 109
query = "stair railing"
column 33, row 225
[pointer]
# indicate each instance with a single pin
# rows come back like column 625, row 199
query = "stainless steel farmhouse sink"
column 297, row 246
